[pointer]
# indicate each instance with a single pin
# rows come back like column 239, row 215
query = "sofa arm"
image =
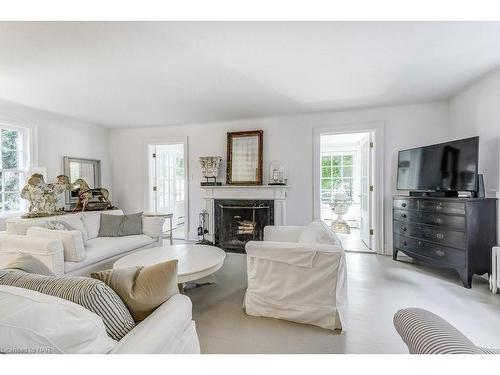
column 282, row 233
column 426, row 333
column 50, row 252
column 152, row 226
column 297, row 254
column 163, row 330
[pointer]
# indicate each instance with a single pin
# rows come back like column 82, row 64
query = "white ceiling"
column 160, row 73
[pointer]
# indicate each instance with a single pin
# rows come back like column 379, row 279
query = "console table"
column 456, row 233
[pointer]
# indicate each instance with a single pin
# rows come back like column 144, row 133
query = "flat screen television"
column 444, row 167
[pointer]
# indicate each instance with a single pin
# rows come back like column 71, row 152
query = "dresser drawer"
column 446, row 237
column 441, row 206
column 441, row 220
column 444, row 254
column 404, row 204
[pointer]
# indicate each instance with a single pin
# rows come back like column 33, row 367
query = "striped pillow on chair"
column 92, row 294
column 426, row 333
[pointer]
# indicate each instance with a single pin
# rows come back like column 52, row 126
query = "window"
column 337, row 175
column 12, row 169
column 179, row 179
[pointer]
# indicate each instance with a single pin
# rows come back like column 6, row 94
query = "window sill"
column 8, row 215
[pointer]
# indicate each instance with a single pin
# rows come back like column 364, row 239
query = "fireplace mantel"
column 277, row 193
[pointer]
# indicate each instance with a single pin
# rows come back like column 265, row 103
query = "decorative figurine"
column 90, row 199
column 276, row 173
column 43, row 197
column 210, row 169
column 340, row 205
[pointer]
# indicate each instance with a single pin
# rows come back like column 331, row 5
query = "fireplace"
column 238, row 221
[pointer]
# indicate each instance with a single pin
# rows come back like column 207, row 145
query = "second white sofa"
column 31, row 236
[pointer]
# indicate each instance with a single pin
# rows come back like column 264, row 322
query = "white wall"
column 476, row 111
column 59, row 136
column 288, row 139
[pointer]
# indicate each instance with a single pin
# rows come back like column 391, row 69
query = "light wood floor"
column 378, row 286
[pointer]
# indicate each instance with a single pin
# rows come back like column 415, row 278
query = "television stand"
column 455, row 233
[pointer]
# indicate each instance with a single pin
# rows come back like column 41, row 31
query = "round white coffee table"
column 195, row 261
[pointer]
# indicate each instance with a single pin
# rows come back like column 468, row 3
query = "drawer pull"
column 403, row 204
column 439, row 253
column 403, row 216
column 405, row 243
column 404, row 229
column 440, row 236
column 439, row 220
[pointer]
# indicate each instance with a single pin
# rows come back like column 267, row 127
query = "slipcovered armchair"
column 298, row 274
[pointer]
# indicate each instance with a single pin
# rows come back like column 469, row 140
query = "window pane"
column 11, row 202
column 347, row 159
column 326, row 184
column 336, row 172
column 9, row 159
column 326, row 161
column 347, row 187
column 11, row 181
column 10, row 139
column 336, row 160
column 326, row 172
column 347, row 171
column 336, row 183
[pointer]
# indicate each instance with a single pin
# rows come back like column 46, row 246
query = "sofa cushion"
column 28, row 263
column 72, row 240
column 32, row 322
column 110, row 225
column 75, row 222
column 131, row 225
column 92, row 221
column 92, row 294
column 142, row 289
column 101, row 248
column 120, row 225
column 317, row 232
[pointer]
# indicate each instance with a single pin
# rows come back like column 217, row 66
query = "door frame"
column 378, row 172
column 146, row 173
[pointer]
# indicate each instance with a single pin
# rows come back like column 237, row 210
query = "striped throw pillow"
column 92, row 294
column 426, row 333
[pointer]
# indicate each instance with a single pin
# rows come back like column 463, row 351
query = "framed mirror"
column 244, row 158
column 86, row 169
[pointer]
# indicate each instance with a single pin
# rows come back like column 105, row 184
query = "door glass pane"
column 347, row 159
column 336, row 172
column 347, row 171
column 336, row 160
column 326, row 172
column 326, row 161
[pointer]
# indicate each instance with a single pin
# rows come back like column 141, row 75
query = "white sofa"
column 31, row 236
column 298, row 274
column 32, row 322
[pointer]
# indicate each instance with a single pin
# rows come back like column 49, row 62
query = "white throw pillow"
column 75, row 221
column 32, row 322
column 317, row 232
column 72, row 240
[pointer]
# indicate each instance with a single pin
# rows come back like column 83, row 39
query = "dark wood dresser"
column 455, row 233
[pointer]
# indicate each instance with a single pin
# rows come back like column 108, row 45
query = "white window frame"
column 27, row 134
column 354, row 155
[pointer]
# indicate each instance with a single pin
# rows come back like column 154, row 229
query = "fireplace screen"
column 240, row 221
